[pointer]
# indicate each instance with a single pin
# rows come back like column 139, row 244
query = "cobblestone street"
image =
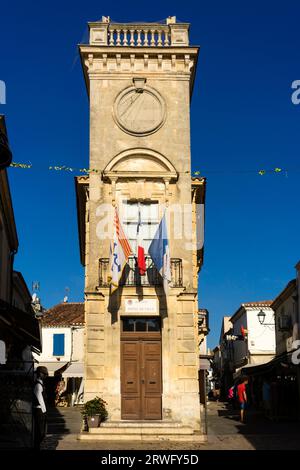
column 225, row 432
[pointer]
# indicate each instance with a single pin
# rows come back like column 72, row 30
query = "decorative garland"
column 65, row 168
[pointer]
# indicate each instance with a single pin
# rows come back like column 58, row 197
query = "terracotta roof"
column 260, row 303
column 257, row 304
column 64, row 314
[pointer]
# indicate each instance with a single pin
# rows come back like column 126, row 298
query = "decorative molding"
column 162, row 168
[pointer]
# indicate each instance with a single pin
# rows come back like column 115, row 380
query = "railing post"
column 111, row 37
column 145, row 31
column 152, row 37
column 159, row 40
column 118, row 37
column 125, row 42
column 132, row 37
column 139, row 42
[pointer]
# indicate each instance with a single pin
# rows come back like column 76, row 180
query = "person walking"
column 231, row 396
column 242, row 397
column 39, row 407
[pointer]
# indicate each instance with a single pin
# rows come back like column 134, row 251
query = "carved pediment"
column 141, row 163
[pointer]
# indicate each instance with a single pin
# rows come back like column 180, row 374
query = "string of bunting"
column 65, row 168
column 258, row 172
column 55, row 168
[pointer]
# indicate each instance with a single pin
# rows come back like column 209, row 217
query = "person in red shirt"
column 242, row 397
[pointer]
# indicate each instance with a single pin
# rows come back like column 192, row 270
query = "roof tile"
column 64, row 314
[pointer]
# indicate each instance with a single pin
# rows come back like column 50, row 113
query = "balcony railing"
column 118, row 35
column 170, row 33
column 131, row 276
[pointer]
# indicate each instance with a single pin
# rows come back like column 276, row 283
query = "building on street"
column 226, row 356
column 63, row 351
column 283, row 371
column 19, row 331
column 141, row 343
column 259, row 344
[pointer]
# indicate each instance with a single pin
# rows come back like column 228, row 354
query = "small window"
column 153, row 324
column 149, row 213
column 141, row 324
column 58, row 345
column 128, row 324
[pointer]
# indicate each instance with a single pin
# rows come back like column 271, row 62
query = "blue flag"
column 159, row 251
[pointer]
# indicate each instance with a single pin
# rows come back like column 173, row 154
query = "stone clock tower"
column 141, row 343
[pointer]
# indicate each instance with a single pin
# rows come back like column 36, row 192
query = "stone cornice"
column 165, row 63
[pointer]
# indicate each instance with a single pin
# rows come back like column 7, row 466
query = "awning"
column 21, row 324
column 284, row 360
column 75, row 369
column 53, row 367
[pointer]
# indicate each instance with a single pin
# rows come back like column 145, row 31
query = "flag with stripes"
column 119, row 252
column 140, row 251
column 160, row 252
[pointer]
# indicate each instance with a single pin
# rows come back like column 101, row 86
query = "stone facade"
column 143, row 155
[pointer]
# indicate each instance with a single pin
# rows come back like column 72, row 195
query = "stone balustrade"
column 139, row 36
column 105, row 33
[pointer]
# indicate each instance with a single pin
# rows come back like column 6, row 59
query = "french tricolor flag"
column 160, row 252
column 140, row 246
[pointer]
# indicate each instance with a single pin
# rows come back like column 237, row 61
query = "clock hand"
column 127, row 110
column 134, row 112
column 138, row 107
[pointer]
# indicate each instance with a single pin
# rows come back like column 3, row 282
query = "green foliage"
column 97, row 406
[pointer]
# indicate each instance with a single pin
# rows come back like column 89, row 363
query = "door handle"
column 152, row 382
column 129, row 382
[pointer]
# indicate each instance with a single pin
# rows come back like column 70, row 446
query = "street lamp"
column 261, row 318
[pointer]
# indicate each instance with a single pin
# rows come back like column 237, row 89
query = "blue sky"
column 243, row 120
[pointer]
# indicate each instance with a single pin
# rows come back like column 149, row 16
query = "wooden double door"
column 141, row 377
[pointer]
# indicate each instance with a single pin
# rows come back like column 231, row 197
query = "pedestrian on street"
column 242, row 397
column 39, row 407
column 231, row 396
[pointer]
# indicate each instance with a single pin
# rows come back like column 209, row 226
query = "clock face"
column 139, row 111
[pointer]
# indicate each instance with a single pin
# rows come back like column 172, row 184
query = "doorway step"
column 143, row 431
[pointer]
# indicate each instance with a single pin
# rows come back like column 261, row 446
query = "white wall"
column 261, row 338
column 78, row 344
column 260, row 346
column 47, row 344
column 203, row 347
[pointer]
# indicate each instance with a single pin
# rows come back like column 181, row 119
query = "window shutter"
column 58, row 345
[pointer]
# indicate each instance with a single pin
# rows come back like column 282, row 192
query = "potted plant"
column 94, row 411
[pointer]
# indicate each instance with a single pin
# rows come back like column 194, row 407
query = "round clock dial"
column 139, row 111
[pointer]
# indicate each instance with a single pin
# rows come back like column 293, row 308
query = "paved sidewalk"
column 225, row 432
